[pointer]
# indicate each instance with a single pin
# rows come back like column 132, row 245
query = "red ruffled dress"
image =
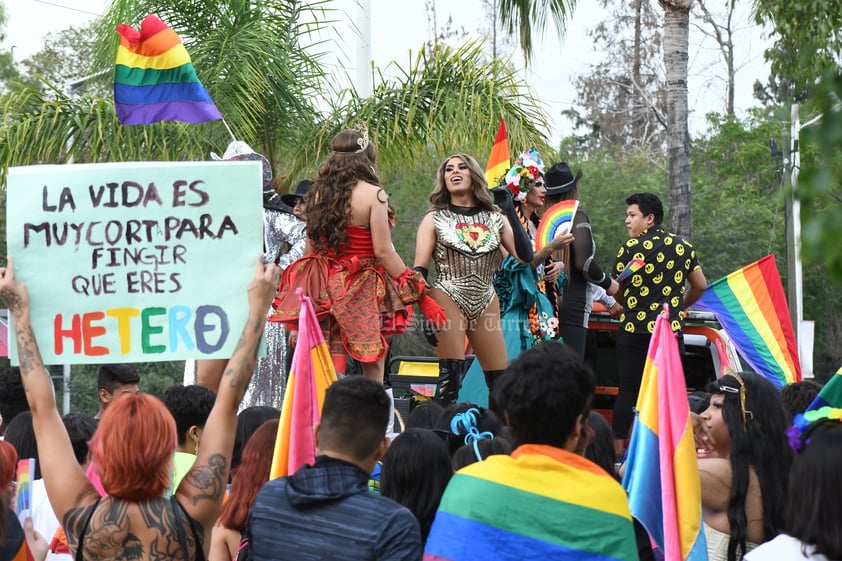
column 355, row 299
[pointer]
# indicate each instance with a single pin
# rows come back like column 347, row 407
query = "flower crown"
column 804, row 423
column 363, row 142
column 527, row 168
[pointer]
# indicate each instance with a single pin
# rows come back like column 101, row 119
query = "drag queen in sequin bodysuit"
column 463, row 235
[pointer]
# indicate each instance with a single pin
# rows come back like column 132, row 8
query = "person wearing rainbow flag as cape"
column 543, row 501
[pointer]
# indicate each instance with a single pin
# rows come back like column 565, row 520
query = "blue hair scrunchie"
column 466, row 423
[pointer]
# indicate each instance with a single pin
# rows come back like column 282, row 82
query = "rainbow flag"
column 830, row 394
column 312, row 372
column 751, row 306
column 631, row 268
column 23, row 491
column 662, row 476
column 155, row 80
column 498, row 161
column 539, row 503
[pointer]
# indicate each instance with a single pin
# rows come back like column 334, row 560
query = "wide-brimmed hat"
column 300, row 190
column 239, row 151
column 559, row 179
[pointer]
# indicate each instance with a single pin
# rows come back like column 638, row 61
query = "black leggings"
column 631, row 359
column 575, row 337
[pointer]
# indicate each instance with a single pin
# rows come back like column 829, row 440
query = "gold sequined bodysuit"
column 466, row 255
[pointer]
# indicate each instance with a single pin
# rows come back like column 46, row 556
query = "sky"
column 401, row 27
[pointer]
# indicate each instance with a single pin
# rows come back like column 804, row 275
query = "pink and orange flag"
column 312, row 372
column 498, row 161
column 662, row 476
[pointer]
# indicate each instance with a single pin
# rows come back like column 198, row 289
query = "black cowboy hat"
column 300, row 190
column 559, row 179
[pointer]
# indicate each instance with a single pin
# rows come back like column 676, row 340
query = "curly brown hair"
column 440, row 197
column 329, row 199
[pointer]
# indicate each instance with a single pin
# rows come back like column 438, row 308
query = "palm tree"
column 255, row 61
column 448, row 99
column 519, row 17
column 676, row 53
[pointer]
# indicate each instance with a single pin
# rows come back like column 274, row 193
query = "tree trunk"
column 676, row 38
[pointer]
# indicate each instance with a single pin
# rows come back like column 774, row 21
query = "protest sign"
column 135, row 261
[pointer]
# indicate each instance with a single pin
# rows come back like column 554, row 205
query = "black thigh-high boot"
column 451, row 371
column 491, row 377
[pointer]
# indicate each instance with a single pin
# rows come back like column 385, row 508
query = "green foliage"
column 806, row 38
column 606, row 182
column 819, row 183
column 738, row 213
column 155, row 377
column 445, row 100
column 67, row 55
column 528, row 18
column 738, row 207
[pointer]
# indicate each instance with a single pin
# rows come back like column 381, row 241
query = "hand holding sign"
column 12, row 291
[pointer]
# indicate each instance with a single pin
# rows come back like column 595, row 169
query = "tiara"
column 803, row 424
column 363, row 141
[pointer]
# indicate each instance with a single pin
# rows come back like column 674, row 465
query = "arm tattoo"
column 208, row 479
column 12, row 299
column 27, row 349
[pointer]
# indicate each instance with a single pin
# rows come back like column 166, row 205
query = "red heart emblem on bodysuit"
column 474, row 235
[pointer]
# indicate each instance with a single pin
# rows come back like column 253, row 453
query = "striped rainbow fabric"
column 154, row 79
column 751, row 306
column 311, row 374
column 830, row 394
column 498, row 161
column 539, row 503
column 662, row 475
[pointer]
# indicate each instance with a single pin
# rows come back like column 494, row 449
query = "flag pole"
column 228, row 129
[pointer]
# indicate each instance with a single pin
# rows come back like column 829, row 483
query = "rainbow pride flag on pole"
column 662, row 476
column 155, row 80
column 311, row 374
column 539, row 503
column 498, row 161
column 751, row 306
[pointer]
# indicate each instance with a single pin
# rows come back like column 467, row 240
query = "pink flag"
column 312, row 372
column 662, row 454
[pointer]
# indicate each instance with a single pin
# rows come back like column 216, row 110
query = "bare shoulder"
column 716, row 466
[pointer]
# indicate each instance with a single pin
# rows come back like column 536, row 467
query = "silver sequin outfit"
column 466, row 257
column 284, row 237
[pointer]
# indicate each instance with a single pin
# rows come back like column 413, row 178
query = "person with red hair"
column 248, row 479
column 133, row 449
column 16, row 542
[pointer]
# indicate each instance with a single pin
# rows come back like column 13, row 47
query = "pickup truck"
column 706, row 347
column 702, row 359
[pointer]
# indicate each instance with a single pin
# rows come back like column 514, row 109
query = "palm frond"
column 445, row 100
column 527, row 19
column 37, row 130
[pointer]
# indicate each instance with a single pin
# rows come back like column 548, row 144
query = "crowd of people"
column 528, row 472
